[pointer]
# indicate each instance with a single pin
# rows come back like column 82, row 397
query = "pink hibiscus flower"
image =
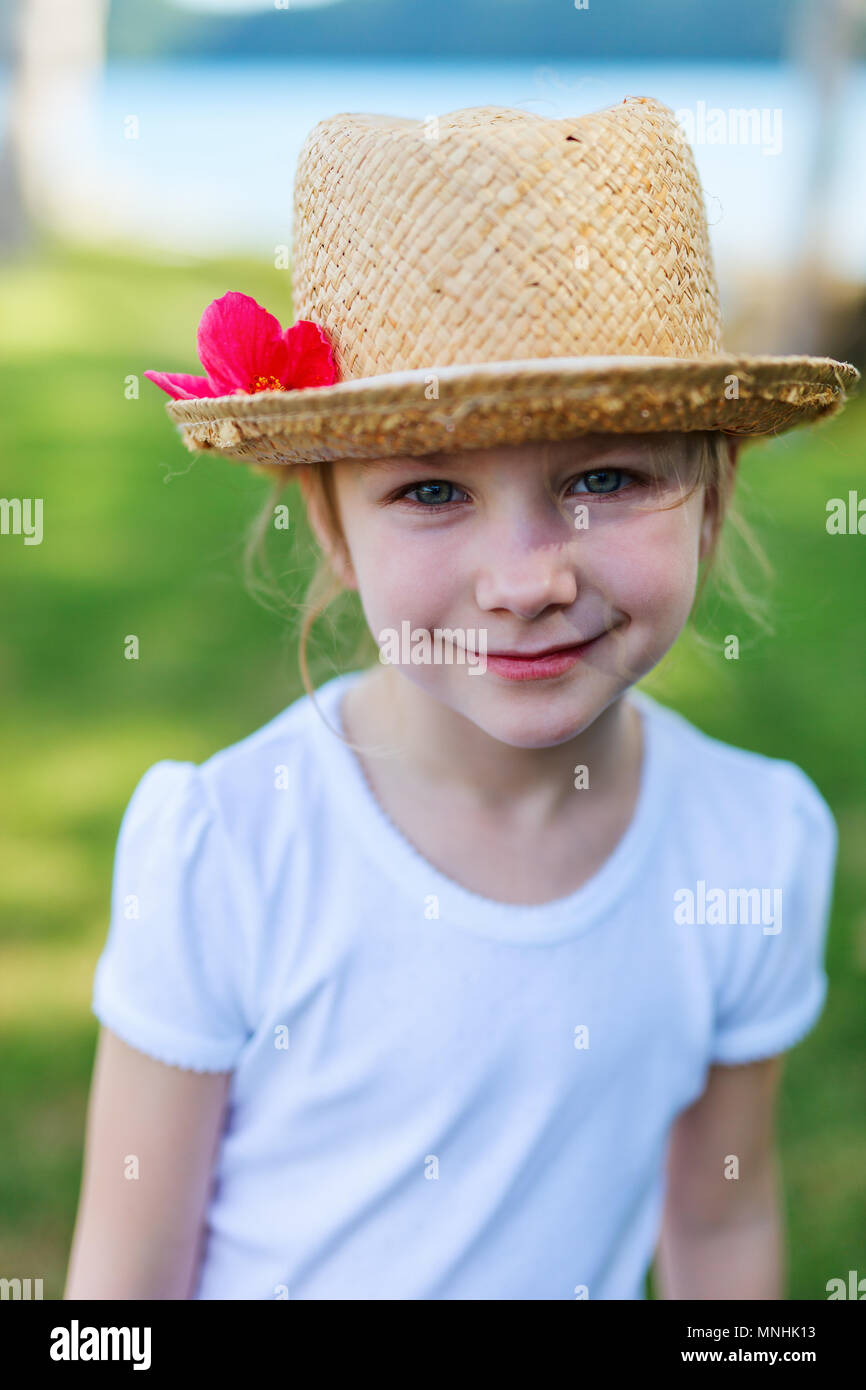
column 243, row 350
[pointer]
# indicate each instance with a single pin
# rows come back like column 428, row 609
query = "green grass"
column 141, row 537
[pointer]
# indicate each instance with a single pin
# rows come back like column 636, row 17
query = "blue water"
column 212, row 166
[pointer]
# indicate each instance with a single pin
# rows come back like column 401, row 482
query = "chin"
column 536, row 714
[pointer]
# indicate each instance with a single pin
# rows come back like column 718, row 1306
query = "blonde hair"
column 708, row 466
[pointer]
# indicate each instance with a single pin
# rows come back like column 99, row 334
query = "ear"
column 338, row 556
column 712, row 520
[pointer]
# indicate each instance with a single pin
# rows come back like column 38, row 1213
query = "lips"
column 546, row 651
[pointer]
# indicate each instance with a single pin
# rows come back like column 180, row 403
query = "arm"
column 138, row 1238
column 722, row 1237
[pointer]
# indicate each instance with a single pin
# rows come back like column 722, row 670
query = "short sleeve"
column 168, row 981
column 775, row 984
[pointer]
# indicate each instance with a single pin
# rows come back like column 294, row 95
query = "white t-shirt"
column 436, row 1095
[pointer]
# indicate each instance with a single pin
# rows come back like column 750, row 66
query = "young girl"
column 467, row 976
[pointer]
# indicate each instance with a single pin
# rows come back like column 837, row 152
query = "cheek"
column 650, row 567
column 405, row 575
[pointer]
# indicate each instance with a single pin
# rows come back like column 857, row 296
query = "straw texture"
column 498, row 276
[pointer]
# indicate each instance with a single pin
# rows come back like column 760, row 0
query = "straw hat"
column 494, row 276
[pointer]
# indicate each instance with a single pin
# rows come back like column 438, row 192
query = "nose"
column 527, row 566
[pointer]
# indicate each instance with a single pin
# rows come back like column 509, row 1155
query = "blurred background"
column 147, row 155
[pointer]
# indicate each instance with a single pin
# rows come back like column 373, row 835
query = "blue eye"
column 435, row 487
column 608, row 477
column 436, row 494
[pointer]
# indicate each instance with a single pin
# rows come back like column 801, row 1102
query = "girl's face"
column 476, row 541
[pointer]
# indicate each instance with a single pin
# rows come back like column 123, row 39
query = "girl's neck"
column 432, row 751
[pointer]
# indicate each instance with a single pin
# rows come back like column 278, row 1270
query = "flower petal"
column 237, row 341
column 310, row 356
column 182, row 386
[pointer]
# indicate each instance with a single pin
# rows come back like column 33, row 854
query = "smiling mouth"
column 549, row 651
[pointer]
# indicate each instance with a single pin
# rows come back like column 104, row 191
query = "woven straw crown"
column 501, row 235
column 495, row 276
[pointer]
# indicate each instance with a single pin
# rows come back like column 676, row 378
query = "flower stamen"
column 266, row 383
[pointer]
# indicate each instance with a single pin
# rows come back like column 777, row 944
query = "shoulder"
column 231, row 824
column 266, row 782
column 170, row 836
column 753, row 844
column 746, row 795
column 263, row 796
column 226, row 807
column 167, row 811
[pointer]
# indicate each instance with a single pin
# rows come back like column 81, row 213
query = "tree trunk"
column 821, row 44
column 59, row 52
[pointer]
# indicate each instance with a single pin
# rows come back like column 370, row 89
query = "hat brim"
column 479, row 405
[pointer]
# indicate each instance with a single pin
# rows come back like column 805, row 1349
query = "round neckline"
column 523, row 923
